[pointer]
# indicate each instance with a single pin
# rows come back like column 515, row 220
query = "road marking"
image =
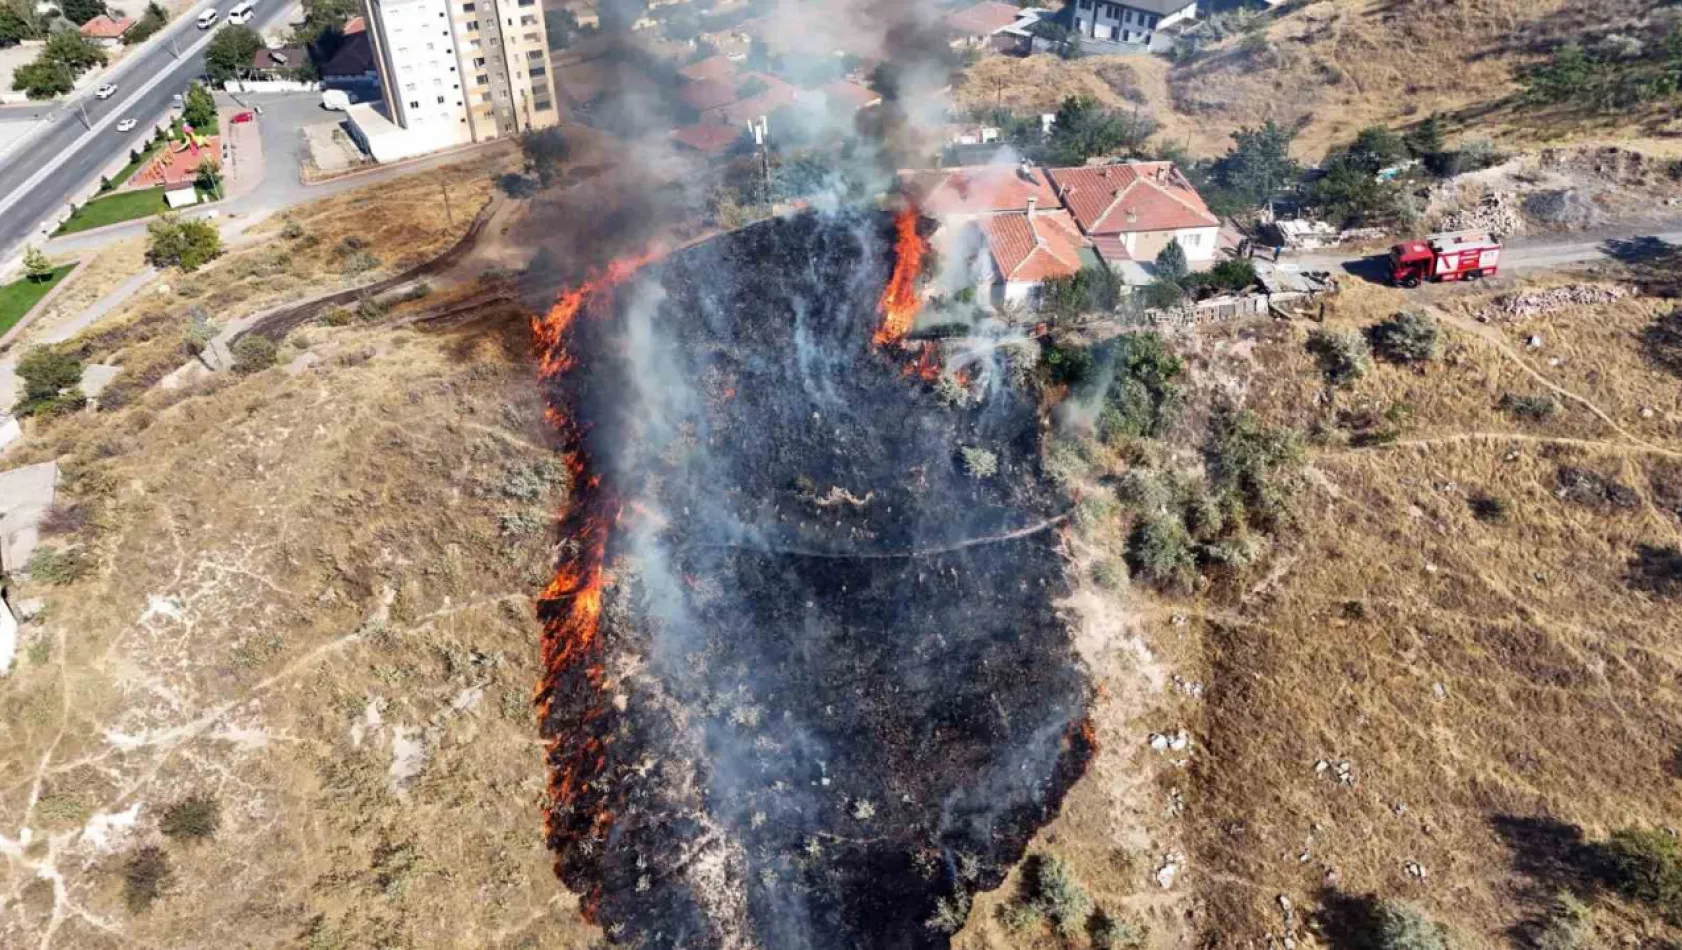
column 110, row 119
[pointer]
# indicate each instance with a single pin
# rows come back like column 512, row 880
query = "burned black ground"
column 839, row 687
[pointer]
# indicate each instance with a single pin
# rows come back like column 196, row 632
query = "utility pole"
column 761, row 131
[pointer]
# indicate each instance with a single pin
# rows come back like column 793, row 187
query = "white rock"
column 1165, row 875
column 1180, row 741
column 29, row 608
column 1159, row 742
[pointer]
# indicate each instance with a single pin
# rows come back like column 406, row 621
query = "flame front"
column 570, row 607
column 900, row 303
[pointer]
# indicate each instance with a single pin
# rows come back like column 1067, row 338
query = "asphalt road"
column 38, row 178
column 1530, row 253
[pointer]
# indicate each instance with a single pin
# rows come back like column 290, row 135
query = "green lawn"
column 123, row 206
column 17, row 297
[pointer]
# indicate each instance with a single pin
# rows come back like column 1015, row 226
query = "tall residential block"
column 453, row 72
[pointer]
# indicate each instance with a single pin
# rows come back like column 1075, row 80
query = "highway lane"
column 146, row 83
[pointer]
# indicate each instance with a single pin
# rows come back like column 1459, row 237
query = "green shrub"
column 1113, row 933
column 978, row 462
column 1160, row 550
column 1059, row 898
column 337, row 317
column 192, row 819
column 370, row 310
column 1401, row 926
column 1487, row 508
column 1144, row 395
column 1066, row 364
column 1646, row 866
column 1342, row 354
column 359, row 262
column 1566, row 926
column 949, row 914
column 52, row 378
column 1260, row 465
column 1408, row 337
column 253, row 353
column 146, row 874
column 189, row 245
column 1535, row 408
column 58, row 565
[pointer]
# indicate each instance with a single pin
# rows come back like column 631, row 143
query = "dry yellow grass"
column 297, row 580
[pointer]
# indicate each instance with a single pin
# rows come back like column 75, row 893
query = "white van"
column 241, row 11
column 207, row 19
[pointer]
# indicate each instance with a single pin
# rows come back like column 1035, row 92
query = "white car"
column 106, row 91
column 127, row 125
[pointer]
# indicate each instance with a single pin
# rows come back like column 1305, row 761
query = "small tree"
column 1426, row 138
column 1171, row 261
column 192, row 819
column 150, row 23
column 1646, row 866
column 1377, row 147
column 209, row 178
column 50, row 374
column 979, row 462
column 229, row 54
column 189, row 245
column 1257, row 167
column 199, row 108
column 43, row 79
column 1160, row 550
column 145, row 877
column 73, row 50
column 36, row 265
column 545, row 151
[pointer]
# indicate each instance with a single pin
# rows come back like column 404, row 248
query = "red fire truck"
column 1459, row 255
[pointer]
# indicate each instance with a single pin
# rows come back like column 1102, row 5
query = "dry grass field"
column 306, row 596
column 1329, row 68
column 1494, row 685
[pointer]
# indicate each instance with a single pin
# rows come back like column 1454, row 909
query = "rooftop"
column 1035, row 247
column 1138, row 196
column 984, row 19
column 103, row 27
column 980, row 189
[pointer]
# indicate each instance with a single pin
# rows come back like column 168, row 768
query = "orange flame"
column 571, row 605
column 900, row 303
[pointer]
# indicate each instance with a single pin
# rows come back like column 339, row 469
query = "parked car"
column 127, row 125
column 337, row 100
column 106, row 91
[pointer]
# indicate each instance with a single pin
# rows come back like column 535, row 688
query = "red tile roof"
column 354, row 25
column 979, row 189
column 708, row 137
column 1139, row 196
column 708, row 94
column 1033, row 248
column 983, row 19
column 715, row 68
column 103, row 27
column 776, row 95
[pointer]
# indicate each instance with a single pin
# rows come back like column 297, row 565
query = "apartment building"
column 454, row 72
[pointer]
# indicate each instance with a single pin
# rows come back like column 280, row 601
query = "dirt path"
column 1462, row 437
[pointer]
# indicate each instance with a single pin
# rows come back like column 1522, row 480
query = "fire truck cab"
column 1460, row 255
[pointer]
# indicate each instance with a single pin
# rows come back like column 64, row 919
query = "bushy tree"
column 230, row 51
column 1160, row 550
column 51, row 375
column 1259, row 464
column 1171, row 261
column 189, row 245
column 209, row 177
column 1426, row 138
column 73, row 50
column 1408, row 337
column 153, row 20
column 43, row 79
column 198, row 108
column 559, row 26
column 196, row 818
column 1084, row 129
column 1144, row 393
column 1088, row 290
column 81, row 11
column 254, row 353
column 36, row 265
column 1258, row 166
column 15, row 26
column 546, row 152
column 1350, row 193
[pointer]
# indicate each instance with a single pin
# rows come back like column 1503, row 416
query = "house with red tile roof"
column 715, row 68
column 1131, row 211
column 977, row 25
column 1023, row 249
column 709, row 138
column 105, row 31
column 965, row 192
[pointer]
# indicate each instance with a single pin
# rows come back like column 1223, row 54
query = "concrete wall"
column 1200, row 244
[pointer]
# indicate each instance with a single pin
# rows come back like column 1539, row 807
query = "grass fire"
column 804, row 683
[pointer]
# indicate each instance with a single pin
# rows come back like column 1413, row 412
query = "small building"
column 974, row 27
column 280, row 63
column 353, row 62
column 1130, row 22
column 1131, row 211
column 714, row 69
column 1024, row 249
column 709, row 138
column 104, row 31
column 179, row 196
column 371, row 127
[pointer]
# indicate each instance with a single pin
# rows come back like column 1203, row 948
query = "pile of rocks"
column 1495, row 212
column 1534, row 303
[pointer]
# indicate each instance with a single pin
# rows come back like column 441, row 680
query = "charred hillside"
column 806, row 678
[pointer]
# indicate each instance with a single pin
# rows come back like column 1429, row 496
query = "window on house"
column 530, row 37
column 479, row 62
column 537, row 71
column 469, row 7
column 528, row 20
column 408, row 87
column 432, row 47
column 542, row 105
column 471, row 25
column 481, row 80
column 534, row 54
column 414, row 105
